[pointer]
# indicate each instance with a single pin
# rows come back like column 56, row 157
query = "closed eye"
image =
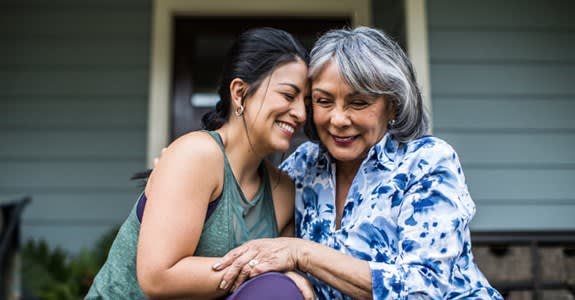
column 359, row 104
column 322, row 101
column 289, row 97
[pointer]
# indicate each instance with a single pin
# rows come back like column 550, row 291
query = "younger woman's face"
column 348, row 123
column 277, row 109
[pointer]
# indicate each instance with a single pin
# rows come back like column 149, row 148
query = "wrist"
column 303, row 256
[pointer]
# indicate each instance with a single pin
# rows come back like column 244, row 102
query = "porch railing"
column 556, row 273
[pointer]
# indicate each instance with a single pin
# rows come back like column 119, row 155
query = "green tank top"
column 234, row 221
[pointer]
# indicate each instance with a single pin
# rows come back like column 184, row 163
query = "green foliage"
column 54, row 274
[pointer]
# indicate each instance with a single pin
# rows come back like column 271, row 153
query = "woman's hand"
column 305, row 287
column 256, row 257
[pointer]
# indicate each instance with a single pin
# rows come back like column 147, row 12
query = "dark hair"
column 252, row 57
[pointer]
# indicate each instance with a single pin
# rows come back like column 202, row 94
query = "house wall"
column 73, row 113
column 502, row 78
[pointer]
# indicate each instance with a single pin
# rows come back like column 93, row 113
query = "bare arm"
column 283, row 192
column 352, row 276
column 173, row 222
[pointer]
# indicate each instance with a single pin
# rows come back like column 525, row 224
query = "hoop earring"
column 391, row 122
column 239, row 111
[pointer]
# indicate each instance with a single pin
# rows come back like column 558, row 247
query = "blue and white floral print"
column 407, row 213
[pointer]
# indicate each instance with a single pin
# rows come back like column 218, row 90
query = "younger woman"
column 212, row 190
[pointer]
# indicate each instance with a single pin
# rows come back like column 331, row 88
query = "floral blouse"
column 407, row 213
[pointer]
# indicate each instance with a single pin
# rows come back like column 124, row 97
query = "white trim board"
column 165, row 10
column 418, row 49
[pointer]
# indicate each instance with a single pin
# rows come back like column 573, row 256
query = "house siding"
column 73, row 113
column 504, row 97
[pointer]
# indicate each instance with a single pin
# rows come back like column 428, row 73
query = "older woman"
column 381, row 209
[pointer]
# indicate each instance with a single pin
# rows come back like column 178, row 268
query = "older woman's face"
column 348, row 123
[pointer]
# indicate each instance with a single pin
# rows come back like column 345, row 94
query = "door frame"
column 416, row 27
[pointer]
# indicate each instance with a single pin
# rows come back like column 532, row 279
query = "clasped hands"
column 260, row 256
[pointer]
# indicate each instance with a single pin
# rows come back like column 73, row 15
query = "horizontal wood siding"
column 73, row 113
column 503, row 86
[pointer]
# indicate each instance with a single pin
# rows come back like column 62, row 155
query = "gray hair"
column 372, row 63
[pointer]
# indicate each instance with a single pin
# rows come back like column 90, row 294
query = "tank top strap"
column 229, row 178
column 231, row 185
column 216, row 136
column 262, row 168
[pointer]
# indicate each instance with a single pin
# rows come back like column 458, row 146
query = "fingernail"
column 216, row 266
column 223, row 285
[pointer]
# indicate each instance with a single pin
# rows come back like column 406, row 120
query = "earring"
column 239, row 111
column 391, row 122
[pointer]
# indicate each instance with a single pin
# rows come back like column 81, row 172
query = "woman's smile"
column 286, row 128
column 343, row 141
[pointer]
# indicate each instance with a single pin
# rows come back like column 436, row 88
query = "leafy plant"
column 54, row 274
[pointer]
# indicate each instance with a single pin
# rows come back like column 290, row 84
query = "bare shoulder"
column 197, row 144
column 190, row 157
column 196, row 147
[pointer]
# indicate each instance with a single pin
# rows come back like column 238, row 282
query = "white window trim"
column 418, row 49
column 165, row 10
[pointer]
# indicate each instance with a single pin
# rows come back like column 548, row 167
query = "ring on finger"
column 252, row 263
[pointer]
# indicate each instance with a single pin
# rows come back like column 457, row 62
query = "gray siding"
column 73, row 113
column 502, row 75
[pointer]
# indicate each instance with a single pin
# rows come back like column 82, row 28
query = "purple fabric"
column 142, row 204
column 272, row 285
